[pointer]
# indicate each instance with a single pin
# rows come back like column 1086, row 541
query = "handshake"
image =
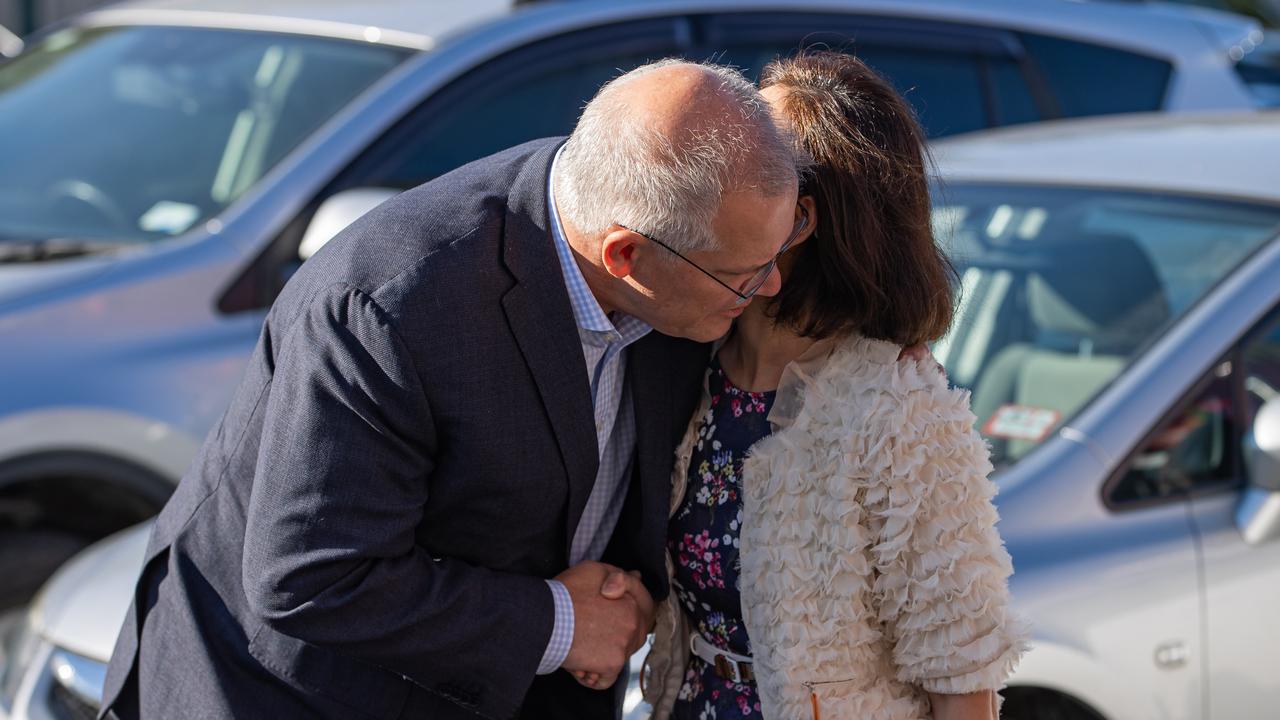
column 612, row 615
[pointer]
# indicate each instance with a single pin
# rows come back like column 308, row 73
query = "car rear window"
column 1260, row 71
column 1088, row 79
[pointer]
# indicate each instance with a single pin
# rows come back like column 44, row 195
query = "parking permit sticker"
column 1021, row 422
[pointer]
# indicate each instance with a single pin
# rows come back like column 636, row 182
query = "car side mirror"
column 336, row 213
column 1258, row 516
column 10, row 44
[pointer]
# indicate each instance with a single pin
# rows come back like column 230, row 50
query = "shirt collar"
column 587, row 312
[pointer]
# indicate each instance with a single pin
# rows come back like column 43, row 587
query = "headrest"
column 1096, row 286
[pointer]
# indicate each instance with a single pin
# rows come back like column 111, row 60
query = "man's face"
column 683, row 302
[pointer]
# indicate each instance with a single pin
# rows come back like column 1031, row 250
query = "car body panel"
column 84, row 603
column 1219, row 154
column 1241, row 581
column 142, row 441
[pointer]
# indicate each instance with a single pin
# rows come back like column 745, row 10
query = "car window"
column 139, row 133
column 945, row 88
column 1061, row 288
column 1088, row 79
column 1199, row 448
column 958, row 79
column 536, row 91
column 1012, row 100
column 1260, row 368
column 1260, row 72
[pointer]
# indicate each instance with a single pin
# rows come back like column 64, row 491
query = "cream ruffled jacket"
column 871, row 565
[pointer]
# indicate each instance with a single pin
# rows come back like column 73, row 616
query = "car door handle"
column 1172, row 655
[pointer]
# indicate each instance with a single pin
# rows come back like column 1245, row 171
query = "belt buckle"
column 732, row 669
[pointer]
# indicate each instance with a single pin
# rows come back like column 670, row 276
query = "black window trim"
column 1184, row 403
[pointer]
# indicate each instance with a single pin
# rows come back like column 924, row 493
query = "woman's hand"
column 980, row 705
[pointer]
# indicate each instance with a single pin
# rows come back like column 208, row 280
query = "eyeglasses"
column 751, row 285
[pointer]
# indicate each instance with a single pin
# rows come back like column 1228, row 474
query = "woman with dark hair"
column 832, row 541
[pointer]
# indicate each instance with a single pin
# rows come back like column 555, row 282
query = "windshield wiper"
column 22, row 251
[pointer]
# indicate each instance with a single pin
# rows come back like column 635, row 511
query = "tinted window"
column 946, row 88
column 1261, row 366
column 1200, row 447
column 1012, row 102
column 534, row 92
column 959, row 79
column 1196, row 449
column 1088, row 79
column 1260, row 71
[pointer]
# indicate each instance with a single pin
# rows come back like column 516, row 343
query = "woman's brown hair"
column 872, row 265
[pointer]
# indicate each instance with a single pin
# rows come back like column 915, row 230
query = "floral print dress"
column 703, row 542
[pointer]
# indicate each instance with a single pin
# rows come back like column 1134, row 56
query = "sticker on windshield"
column 169, row 217
column 1021, row 422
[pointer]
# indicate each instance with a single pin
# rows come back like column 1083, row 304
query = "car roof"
column 417, row 24
column 1222, row 154
column 423, row 23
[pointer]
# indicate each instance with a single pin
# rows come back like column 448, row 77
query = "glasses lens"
column 755, row 282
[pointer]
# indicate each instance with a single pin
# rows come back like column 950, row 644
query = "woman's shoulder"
column 874, row 374
column 882, row 365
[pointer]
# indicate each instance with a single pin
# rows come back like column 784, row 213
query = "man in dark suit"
column 441, row 490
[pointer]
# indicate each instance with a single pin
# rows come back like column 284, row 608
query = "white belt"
column 728, row 665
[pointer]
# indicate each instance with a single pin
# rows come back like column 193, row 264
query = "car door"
column 1197, row 453
column 1241, row 580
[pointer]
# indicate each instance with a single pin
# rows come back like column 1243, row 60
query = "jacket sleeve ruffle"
column 942, row 585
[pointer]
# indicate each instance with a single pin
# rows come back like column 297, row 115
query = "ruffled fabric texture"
column 871, row 566
column 872, row 571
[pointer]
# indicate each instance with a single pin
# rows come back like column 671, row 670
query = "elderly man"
column 441, row 488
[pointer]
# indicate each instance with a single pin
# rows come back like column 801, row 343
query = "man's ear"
column 618, row 251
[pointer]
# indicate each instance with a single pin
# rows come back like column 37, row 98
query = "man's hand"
column 612, row 615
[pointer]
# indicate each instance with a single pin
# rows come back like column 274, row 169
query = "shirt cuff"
column 562, row 634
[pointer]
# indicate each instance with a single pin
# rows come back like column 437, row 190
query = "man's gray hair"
column 617, row 168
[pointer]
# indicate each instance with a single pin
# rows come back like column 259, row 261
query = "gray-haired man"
column 441, row 489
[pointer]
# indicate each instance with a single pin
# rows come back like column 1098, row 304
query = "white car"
column 1119, row 327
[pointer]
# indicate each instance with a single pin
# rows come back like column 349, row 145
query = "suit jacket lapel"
column 541, row 319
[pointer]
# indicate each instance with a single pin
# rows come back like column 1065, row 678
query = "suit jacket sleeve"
column 341, row 480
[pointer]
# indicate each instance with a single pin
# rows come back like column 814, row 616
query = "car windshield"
column 1061, row 288
column 131, row 134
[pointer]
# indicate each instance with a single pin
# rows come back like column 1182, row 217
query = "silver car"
column 1119, row 328
column 169, row 163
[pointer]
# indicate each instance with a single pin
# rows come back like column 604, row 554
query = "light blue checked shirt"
column 603, row 342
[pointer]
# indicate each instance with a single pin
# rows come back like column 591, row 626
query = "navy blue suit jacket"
column 367, row 531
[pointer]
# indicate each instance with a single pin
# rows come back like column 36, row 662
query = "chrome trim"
column 82, row 677
column 258, row 23
column 1258, row 516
